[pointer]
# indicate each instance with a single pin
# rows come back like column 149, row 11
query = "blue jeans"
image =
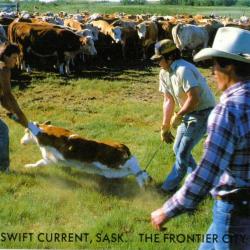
column 4, row 147
column 231, row 231
column 189, row 133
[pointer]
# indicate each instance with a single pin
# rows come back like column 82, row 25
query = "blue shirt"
column 225, row 165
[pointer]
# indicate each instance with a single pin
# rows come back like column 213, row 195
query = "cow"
column 165, row 29
column 49, row 41
column 125, row 23
column 74, row 24
column 148, row 34
column 61, row 146
column 192, row 37
column 94, row 30
column 3, row 36
column 130, row 43
column 108, row 29
column 53, row 19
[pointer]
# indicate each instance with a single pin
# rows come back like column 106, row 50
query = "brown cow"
column 61, row 146
column 148, row 33
column 48, row 41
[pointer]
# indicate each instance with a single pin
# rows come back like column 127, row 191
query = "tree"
column 127, row 2
column 168, row 1
column 218, row 2
column 207, row 2
column 243, row 2
column 229, row 2
column 189, row 2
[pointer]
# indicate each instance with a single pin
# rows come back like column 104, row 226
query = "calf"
column 61, row 146
column 148, row 33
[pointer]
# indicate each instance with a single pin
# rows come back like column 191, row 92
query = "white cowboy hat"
column 229, row 42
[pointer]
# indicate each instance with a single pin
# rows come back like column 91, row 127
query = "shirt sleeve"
column 219, row 148
column 162, row 84
column 188, row 78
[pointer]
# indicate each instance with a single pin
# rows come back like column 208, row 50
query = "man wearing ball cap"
column 224, row 170
column 182, row 85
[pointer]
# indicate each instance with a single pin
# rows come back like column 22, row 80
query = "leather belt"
column 200, row 111
column 242, row 195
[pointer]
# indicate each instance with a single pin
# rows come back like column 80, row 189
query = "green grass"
column 159, row 9
column 102, row 104
column 122, row 106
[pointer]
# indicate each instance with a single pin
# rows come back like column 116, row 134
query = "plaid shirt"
column 225, row 165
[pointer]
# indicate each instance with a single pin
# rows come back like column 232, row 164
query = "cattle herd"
column 65, row 41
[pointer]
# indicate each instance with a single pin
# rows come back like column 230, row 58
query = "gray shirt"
column 181, row 77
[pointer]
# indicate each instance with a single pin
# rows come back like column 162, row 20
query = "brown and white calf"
column 61, row 146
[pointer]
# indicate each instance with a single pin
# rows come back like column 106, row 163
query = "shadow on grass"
column 123, row 188
column 119, row 187
column 74, row 179
column 112, row 71
column 20, row 79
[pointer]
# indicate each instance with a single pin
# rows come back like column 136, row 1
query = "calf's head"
column 27, row 138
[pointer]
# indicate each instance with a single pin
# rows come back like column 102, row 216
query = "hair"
column 241, row 68
column 172, row 55
column 7, row 49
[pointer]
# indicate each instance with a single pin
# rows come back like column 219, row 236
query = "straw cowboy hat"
column 229, row 42
column 163, row 47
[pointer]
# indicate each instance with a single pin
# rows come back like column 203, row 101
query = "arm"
column 219, row 148
column 8, row 101
column 168, row 110
column 193, row 99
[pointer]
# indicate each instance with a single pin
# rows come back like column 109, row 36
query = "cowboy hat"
column 229, row 42
column 163, row 47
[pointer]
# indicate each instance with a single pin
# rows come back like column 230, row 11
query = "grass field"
column 78, row 6
column 111, row 103
column 122, row 105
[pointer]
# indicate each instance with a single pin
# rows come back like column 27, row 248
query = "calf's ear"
column 47, row 123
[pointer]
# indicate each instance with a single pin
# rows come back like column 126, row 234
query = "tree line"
column 194, row 2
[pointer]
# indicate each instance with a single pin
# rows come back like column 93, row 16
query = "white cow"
column 193, row 37
column 93, row 29
column 190, row 37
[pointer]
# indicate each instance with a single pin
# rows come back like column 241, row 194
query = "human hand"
column 158, row 219
column 175, row 120
column 166, row 135
column 13, row 116
column 20, row 118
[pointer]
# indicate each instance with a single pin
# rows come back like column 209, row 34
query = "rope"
column 153, row 155
column 156, row 151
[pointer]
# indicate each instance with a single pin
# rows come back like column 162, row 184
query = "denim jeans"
column 230, row 229
column 189, row 133
column 4, row 147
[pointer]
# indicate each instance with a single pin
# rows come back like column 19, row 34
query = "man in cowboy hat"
column 182, row 84
column 225, row 167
